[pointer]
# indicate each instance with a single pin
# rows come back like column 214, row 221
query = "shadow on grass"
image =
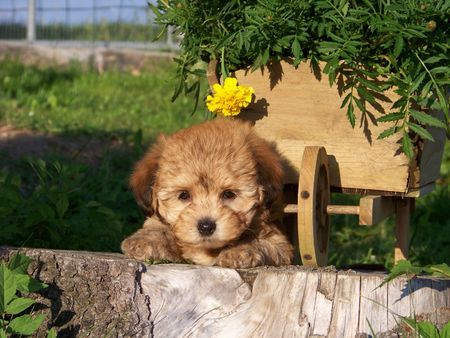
column 66, row 191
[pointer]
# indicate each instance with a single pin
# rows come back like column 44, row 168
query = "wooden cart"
column 299, row 111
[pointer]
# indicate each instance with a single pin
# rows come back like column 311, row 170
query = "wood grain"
column 195, row 301
column 294, row 109
column 374, row 209
column 98, row 295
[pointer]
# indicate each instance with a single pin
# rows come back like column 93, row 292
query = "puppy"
column 208, row 191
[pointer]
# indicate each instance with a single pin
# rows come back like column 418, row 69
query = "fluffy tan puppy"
column 208, row 191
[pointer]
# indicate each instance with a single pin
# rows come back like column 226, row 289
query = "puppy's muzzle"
column 206, row 226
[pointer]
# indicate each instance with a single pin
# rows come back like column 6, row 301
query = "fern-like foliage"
column 372, row 45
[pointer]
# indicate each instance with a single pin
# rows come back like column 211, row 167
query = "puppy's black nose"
column 206, row 227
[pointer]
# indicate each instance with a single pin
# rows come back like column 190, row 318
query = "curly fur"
column 231, row 177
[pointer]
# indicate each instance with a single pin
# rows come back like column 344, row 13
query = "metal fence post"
column 169, row 40
column 31, row 26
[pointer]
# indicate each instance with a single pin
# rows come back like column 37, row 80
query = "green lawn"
column 59, row 200
column 70, row 101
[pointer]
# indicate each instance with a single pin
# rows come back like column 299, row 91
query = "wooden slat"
column 324, row 304
column 373, row 305
column 302, row 111
column 346, row 306
column 402, row 219
column 428, row 170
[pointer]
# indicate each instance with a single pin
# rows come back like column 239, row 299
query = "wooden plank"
column 301, row 110
column 374, row 209
column 344, row 321
column 324, row 304
column 373, row 306
column 402, row 219
column 431, row 154
column 399, row 304
column 308, row 309
column 422, row 300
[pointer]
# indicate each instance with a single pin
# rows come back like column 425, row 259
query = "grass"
column 104, row 31
column 59, row 201
column 71, row 101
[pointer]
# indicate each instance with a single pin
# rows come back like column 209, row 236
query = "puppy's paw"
column 153, row 245
column 241, row 257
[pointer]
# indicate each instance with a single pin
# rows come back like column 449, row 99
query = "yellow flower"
column 229, row 99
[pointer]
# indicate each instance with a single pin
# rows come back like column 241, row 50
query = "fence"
column 108, row 23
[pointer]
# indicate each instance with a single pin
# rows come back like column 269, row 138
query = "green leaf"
column 388, row 132
column 8, row 286
column 399, row 43
column 18, row 305
column 418, row 81
column 296, row 49
column 62, row 204
column 26, row 283
column 403, row 267
column 391, row 117
column 434, row 59
column 443, row 101
column 52, row 333
column 427, row 119
column 419, row 130
column 427, row 330
column 442, row 270
column 19, row 263
column 351, row 114
column 407, row 145
column 369, row 84
column 438, row 70
column 265, row 56
column 2, row 333
column 347, row 97
column 26, row 324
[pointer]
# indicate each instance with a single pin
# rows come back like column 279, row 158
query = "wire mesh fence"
column 104, row 22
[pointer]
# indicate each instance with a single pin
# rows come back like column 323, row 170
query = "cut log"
column 96, row 295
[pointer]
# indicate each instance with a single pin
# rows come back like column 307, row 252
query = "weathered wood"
column 99, row 295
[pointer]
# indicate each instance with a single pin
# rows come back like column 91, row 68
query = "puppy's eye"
column 184, row 195
column 228, row 195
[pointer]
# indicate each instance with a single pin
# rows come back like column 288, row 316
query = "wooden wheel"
column 313, row 198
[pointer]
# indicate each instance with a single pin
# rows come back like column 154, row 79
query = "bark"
column 98, row 295
column 90, row 294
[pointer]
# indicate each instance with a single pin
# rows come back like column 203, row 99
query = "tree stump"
column 97, row 295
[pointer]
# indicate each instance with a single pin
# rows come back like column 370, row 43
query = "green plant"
column 405, row 267
column 369, row 46
column 423, row 329
column 113, row 105
column 15, row 316
column 66, row 207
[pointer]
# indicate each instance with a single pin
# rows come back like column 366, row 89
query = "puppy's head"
column 208, row 182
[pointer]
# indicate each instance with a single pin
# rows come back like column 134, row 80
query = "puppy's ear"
column 143, row 177
column 269, row 169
